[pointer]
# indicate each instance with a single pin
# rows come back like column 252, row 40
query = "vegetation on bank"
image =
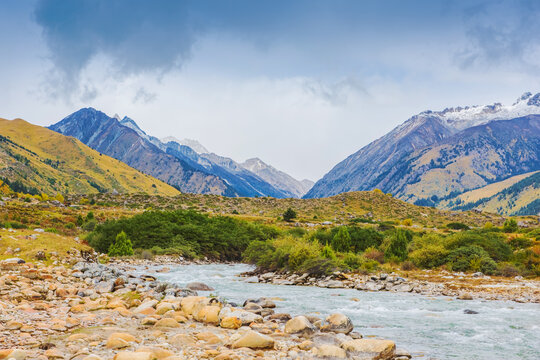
column 182, row 232
column 364, row 244
column 345, row 248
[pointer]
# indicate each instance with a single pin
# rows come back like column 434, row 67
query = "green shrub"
column 492, row 242
column 473, row 258
column 398, row 244
column 429, row 256
column 510, row 226
column 457, row 226
column 520, row 243
column 301, row 252
column 321, row 266
column 70, row 225
column 342, row 240
column 362, row 238
column 122, row 246
column 328, row 253
column 218, row 237
column 508, row 270
column 90, row 225
column 289, row 215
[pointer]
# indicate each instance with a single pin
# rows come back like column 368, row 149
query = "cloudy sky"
column 300, row 84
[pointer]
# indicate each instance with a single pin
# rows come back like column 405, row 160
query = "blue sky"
column 300, row 84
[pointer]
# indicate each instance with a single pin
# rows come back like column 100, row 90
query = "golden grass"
column 30, row 242
column 79, row 164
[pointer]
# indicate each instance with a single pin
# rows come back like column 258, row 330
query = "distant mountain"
column 171, row 160
column 435, row 156
column 42, row 160
column 194, row 144
column 277, row 178
column 127, row 143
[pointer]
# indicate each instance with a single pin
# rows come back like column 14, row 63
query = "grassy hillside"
column 518, row 195
column 53, row 163
column 360, row 206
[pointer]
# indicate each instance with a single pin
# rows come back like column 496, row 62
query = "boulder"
column 130, row 355
column 120, row 340
column 149, row 304
column 329, row 352
column 167, row 323
column 231, row 322
column 245, row 317
column 189, row 303
column 208, row 314
column 299, row 325
column 163, row 308
column 254, row 340
column 254, row 308
column 371, row 348
column 181, row 340
column 199, row 286
column 338, row 323
column 16, row 354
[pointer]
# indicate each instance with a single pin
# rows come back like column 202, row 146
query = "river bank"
column 91, row 311
column 429, row 283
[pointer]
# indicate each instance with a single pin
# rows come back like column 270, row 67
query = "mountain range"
column 186, row 165
column 434, row 157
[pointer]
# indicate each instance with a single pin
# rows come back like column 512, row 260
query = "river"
column 430, row 327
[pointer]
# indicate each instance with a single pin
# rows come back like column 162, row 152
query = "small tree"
column 59, row 197
column 122, row 246
column 510, row 226
column 289, row 215
column 398, row 245
column 342, row 240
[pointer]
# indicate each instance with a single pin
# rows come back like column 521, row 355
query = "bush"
column 473, row 258
column 89, row 225
column 342, row 240
column 289, row 215
column 374, row 254
column 407, row 266
column 362, row 238
column 510, row 226
column 146, row 255
column 122, row 246
column 457, row 226
column 302, row 252
column 327, row 252
column 398, row 244
column 493, row 243
column 429, row 256
column 217, row 237
column 520, row 243
column 507, row 270
column 407, row 222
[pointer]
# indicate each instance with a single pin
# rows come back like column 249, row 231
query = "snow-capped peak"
column 461, row 118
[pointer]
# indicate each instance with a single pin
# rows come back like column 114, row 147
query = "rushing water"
column 433, row 327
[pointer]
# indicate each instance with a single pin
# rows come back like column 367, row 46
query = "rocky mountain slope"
column 108, row 136
column 277, row 178
column 44, row 161
column 188, row 169
column 435, row 156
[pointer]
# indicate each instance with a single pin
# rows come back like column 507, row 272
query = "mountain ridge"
column 382, row 163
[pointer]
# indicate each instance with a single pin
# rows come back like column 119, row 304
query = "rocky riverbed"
column 457, row 285
column 91, row 311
